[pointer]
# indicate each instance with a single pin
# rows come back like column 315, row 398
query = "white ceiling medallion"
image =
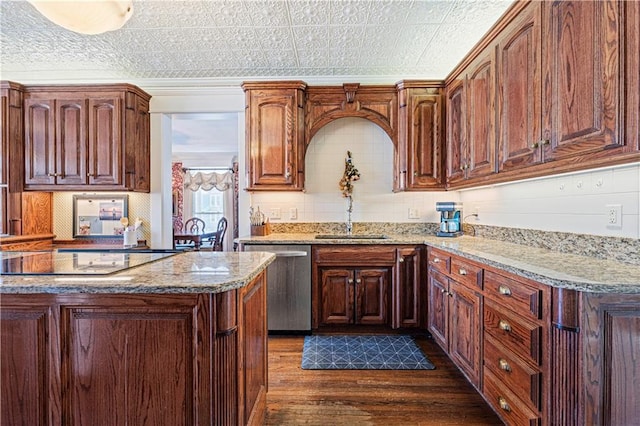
column 86, row 16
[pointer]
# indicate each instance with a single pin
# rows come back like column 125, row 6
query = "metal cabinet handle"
column 350, row 281
column 358, row 281
column 534, row 145
column 462, row 271
column 545, row 142
column 504, row 325
column 504, row 290
column 504, row 404
column 504, row 365
column 401, row 260
column 443, row 290
column 436, row 260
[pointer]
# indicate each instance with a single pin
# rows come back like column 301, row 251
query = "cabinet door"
column 336, row 288
column 582, row 66
column 105, row 141
column 372, row 290
column 480, row 115
column 520, row 91
column 456, row 132
column 274, row 125
column 438, row 311
column 39, row 141
column 71, row 141
column 465, row 328
column 26, row 338
column 424, row 139
column 408, row 292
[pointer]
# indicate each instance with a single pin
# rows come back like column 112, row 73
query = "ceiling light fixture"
column 86, row 16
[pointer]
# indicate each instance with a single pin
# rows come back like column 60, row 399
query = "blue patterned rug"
column 363, row 353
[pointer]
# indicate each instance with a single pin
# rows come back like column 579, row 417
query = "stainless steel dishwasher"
column 288, row 287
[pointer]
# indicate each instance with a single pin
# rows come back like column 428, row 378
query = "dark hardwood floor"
column 370, row 397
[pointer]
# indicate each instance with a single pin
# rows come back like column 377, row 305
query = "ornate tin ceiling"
column 228, row 41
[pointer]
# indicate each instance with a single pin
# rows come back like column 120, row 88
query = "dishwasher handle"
column 290, row 253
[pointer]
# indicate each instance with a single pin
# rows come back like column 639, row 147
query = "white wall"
column 574, row 202
column 373, row 199
column 571, row 203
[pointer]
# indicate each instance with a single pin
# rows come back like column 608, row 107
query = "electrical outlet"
column 614, row 215
column 413, row 214
column 274, row 214
column 293, row 213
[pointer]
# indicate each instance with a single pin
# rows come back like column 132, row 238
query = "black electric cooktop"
column 73, row 263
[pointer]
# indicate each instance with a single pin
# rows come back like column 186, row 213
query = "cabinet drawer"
column 513, row 332
column 508, row 406
column 440, row 261
column 522, row 379
column 467, row 273
column 355, row 255
column 522, row 298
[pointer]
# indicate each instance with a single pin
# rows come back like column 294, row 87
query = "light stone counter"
column 189, row 272
column 549, row 267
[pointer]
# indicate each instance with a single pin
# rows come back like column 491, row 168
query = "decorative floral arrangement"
column 351, row 174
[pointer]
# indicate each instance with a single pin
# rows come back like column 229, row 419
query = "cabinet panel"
column 480, row 94
column 275, row 135
column 409, row 294
column 25, row 367
column 71, row 141
column 438, row 312
column 372, row 289
column 337, row 296
column 465, row 329
column 106, row 371
column 39, row 140
column 105, row 141
column 583, row 96
column 456, row 132
column 520, row 91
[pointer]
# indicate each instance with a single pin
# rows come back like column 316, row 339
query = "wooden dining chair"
column 220, row 232
column 194, row 226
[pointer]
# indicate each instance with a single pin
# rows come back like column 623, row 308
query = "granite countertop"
column 549, row 267
column 189, row 272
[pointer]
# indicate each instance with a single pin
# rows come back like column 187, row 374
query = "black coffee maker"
column 450, row 219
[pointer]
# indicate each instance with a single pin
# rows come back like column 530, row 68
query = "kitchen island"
column 180, row 340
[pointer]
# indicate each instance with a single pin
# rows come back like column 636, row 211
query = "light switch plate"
column 293, row 213
column 413, row 214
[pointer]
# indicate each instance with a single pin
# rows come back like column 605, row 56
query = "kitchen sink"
column 351, row 237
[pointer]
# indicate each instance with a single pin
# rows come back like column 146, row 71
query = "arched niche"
column 378, row 104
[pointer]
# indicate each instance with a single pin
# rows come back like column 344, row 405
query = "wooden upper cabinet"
column 480, row 94
column 420, row 153
column 632, row 75
column 520, row 91
column 105, row 142
column 583, row 63
column 275, row 135
column 471, row 137
column 79, row 137
column 456, row 141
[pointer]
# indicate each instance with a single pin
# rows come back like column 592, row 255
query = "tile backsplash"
column 571, row 203
column 139, row 206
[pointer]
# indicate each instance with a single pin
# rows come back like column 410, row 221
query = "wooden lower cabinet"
column 367, row 285
column 156, row 359
column 359, row 296
column 455, row 323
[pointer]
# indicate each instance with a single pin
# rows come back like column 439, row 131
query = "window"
column 208, row 206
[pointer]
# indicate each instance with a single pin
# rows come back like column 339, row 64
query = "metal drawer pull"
column 504, row 365
column 504, row 404
column 504, row 325
column 436, row 260
column 504, row 290
column 350, row 281
column 358, row 281
column 462, row 271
